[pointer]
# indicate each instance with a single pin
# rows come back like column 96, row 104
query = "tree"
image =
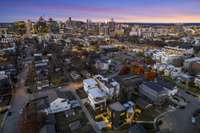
column 32, row 120
column 20, row 27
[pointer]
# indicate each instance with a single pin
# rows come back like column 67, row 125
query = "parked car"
column 75, row 75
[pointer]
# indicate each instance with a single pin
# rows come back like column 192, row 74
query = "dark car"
column 9, row 113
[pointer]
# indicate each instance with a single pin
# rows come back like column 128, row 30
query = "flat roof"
column 166, row 84
column 117, row 106
column 90, row 81
column 154, row 86
column 96, row 92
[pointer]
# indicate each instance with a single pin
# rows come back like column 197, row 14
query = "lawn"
column 149, row 114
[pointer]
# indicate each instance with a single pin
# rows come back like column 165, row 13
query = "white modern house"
column 89, row 84
column 96, row 96
column 168, row 70
column 99, row 89
column 176, row 72
column 109, row 86
column 97, row 99
column 162, row 67
column 58, row 105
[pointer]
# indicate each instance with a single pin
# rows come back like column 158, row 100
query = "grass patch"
column 148, row 114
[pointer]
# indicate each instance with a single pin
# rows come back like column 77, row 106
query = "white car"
column 75, row 75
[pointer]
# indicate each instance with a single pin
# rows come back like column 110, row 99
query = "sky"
column 154, row 11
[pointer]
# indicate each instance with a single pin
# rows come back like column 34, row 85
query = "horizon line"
column 136, row 22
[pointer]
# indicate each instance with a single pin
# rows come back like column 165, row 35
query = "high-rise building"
column 111, row 25
column 69, row 22
column 53, row 26
column 88, row 25
column 28, row 27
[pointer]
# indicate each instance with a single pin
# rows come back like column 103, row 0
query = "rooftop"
column 154, row 86
column 192, row 59
column 165, row 84
column 90, row 82
column 117, row 106
column 96, row 93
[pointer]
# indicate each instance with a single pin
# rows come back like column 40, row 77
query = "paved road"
column 179, row 121
column 11, row 124
column 19, row 100
column 91, row 120
column 116, row 73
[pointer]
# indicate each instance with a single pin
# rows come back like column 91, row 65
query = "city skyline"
column 99, row 66
column 152, row 11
